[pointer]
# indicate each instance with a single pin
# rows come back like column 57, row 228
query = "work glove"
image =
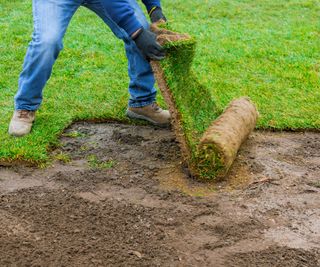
column 148, row 45
column 157, row 15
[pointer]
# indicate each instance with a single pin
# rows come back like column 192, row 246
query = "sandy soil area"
column 124, row 199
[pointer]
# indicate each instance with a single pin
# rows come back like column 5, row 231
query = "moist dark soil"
column 118, row 195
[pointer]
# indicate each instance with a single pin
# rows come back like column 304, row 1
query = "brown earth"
column 119, row 196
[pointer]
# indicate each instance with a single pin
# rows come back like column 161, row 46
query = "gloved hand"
column 156, row 15
column 148, row 45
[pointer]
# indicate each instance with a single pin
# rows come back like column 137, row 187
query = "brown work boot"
column 152, row 113
column 21, row 122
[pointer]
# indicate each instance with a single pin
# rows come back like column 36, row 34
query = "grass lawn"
column 266, row 49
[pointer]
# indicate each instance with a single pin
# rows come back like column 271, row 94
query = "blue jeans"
column 51, row 19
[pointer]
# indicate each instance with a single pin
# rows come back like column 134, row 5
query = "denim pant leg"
column 50, row 18
column 141, row 87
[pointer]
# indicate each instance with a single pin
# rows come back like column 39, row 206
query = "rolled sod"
column 220, row 143
column 209, row 144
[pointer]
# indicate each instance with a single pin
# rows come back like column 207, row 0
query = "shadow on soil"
column 117, row 195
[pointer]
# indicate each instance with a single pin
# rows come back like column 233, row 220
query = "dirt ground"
column 117, row 195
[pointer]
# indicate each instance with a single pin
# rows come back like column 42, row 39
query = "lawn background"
column 268, row 50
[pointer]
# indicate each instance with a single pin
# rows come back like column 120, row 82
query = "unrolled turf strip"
column 208, row 146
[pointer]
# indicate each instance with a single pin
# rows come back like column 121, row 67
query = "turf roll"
column 209, row 144
column 220, row 143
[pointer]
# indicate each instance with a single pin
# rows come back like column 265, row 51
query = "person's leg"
column 141, row 87
column 142, row 92
column 51, row 18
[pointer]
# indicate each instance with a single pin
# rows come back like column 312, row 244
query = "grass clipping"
column 208, row 146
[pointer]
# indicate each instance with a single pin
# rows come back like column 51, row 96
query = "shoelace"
column 155, row 106
column 23, row 114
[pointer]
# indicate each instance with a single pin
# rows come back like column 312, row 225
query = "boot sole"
column 132, row 115
column 14, row 133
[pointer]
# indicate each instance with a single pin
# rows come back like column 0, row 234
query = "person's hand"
column 147, row 43
column 156, row 15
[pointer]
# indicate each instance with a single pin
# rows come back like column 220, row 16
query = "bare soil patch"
column 119, row 196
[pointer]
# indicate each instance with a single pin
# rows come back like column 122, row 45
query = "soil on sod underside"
column 119, row 196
